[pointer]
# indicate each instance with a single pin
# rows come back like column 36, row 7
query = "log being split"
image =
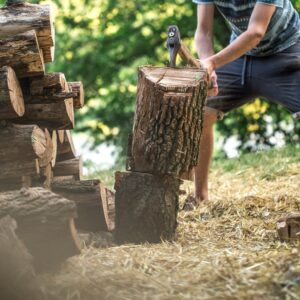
column 71, row 167
column 11, row 96
column 95, row 203
column 77, row 88
column 45, row 224
column 23, row 54
column 66, row 150
column 22, row 18
column 168, row 120
column 146, row 207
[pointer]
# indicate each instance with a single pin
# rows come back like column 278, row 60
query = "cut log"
column 77, row 87
column 168, row 120
column 22, row 18
column 17, row 276
column 54, row 145
column 146, row 207
column 46, row 158
column 288, row 227
column 66, row 150
column 46, row 177
column 95, row 203
column 48, row 54
column 11, row 96
column 50, row 83
column 45, row 224
column 23, row 54
column 71, row 167
column 61, row 136
column 21, row 143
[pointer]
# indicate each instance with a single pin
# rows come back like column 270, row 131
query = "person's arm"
column 258, row 24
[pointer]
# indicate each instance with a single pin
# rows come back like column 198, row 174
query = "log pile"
column 162, row 148
column 41, row 184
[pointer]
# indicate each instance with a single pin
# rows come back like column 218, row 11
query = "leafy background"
column 102, row 43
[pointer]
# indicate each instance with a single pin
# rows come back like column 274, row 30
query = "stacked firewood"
column 41, row 184
column 162, row 149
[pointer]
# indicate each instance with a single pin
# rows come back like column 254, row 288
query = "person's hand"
column 208, row 65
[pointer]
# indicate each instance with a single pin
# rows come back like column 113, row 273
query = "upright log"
column 146, row 207
column 11, row 97
column 21, row 18
column 23, row 54
column 66, row 150
column 77, row 87
column 21, row 143
column 95, row 203
column 168, row 120
column 45, row 222
column 71, row 167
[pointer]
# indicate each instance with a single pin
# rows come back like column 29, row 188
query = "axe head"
column 173, row 44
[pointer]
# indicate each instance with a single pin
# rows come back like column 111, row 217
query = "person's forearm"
column 204, row 45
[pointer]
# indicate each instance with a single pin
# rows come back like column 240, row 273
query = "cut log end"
column 78, row 88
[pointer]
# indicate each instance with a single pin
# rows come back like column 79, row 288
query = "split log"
column 66, row 150
column 168, row 120
column 71, row 167
column 95, row 203
column 46, row 177
column 288, row 227
column 77, row 87
column 21, row 143
column 50, row 83
column 17, row 276
column 46, row 158
column 23, row 54
column 22, row 18
column 61, row 136
column 146, row 207
column 11, row 97
column 46, row 224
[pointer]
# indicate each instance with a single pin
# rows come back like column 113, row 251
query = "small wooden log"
column 168, row 120
column 11, row 96
column 17, row 276
column 23, row 54
column 146, row 207
column 46, row 177
column 95, row 203
column 61, row 136
column 17, row 19
column 46, row 158
column 288, row 227
column 77, row 87
column 45, row 222
column 66, row 150
column 50, row 83
column 21, row 143
column 71, row 167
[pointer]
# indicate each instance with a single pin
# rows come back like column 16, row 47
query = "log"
column 23, row 54
column 22, row 18
column 77, row 87
column 71, row 167
column 168, row 120
column 11, row 96
column 22, row 143
column 17, row 276
column 95, row 203
column 146, row 207
column 46, row 177
column 46, row 224
column 288, row 227
column 46, row 158
column 61, row 136
column 66, row 150
column 50, row 83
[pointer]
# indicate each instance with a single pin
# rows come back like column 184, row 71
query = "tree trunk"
column 23, row 54
column 168, row 120
column 22, row 18
column 66, row 150
column 94, row 203
column 71, row 167
column 77, row 87
column 17, row 275
column 45, row 224
column 11, row 97
column 146, row 207
column 21, row 143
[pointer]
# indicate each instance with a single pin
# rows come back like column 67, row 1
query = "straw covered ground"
column 226, row 249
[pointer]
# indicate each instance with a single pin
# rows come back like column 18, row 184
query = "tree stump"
column 146, row 207
column 168, row 120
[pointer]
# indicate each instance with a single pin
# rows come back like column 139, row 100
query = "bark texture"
column 77, row 88
column 45, row 224
column 71, row 167
column 146, row 207
column 168, row 120
column 23, row 54
column 11, row 96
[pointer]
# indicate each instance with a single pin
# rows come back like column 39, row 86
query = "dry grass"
column 226, row 249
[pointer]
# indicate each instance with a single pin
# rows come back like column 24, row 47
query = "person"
column 262, row 59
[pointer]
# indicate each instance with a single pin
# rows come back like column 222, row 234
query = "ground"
column 226, row 249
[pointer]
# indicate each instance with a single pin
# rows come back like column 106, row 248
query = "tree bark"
column 21, row 143
column 45, row 224
column 11, row 97
column 95, row 203
column 77, row 88
column 146, row 207
column 71, row 167
column 23, row 54
column 22, row 18
column 66, row 150
column 168, row 120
